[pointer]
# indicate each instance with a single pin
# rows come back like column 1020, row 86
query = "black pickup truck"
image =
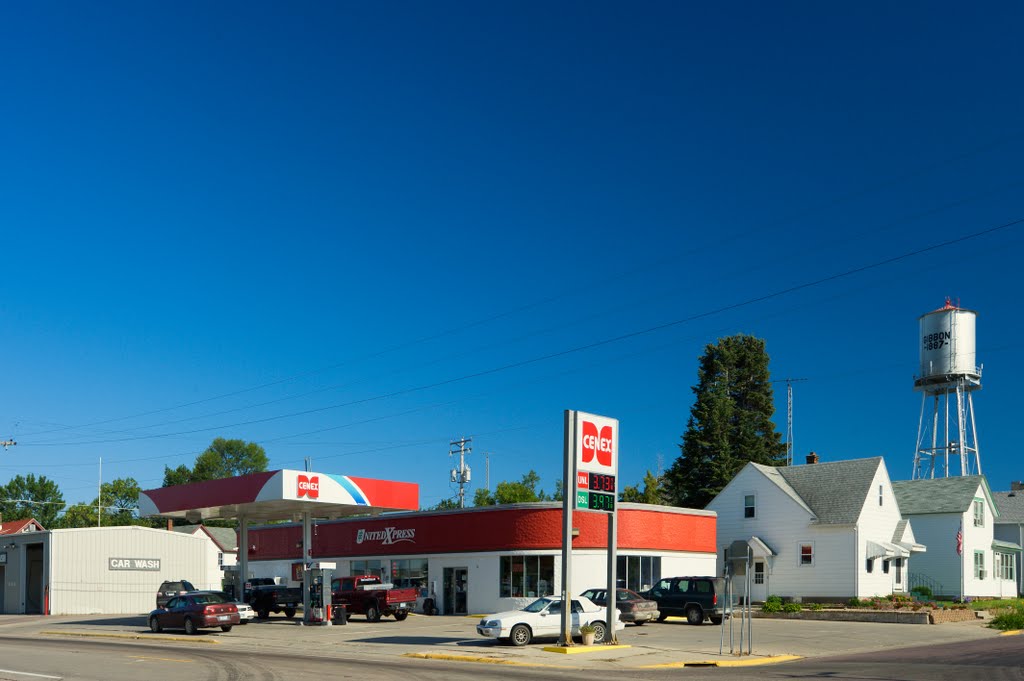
column 268, row 598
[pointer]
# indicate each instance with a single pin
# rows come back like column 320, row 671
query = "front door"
column 759, row 582
column 456, row 591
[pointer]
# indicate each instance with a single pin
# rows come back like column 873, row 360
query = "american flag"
column 960, row 540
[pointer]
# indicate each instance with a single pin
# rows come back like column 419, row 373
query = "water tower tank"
column 947, row 345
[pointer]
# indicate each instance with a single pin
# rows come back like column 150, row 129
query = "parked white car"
column 543, row 619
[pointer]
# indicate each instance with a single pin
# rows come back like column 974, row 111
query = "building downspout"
column 856, row 553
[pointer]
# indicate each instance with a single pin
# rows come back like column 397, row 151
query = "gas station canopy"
column 279, row 495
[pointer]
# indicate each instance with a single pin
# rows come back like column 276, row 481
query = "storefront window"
column 526, row 576
column 638, row 573
column 367, row 567
column 409, row 573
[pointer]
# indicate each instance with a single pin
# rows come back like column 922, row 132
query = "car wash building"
column 97, row 570
column 493, row 558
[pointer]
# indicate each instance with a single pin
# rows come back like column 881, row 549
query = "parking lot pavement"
column 666, row 644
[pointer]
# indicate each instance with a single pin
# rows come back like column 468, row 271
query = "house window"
column 885, row 566
column 870, row 565
column 1004, row 566
column 527, row 576
column 979, row 565
column 749, row 507
column 807, row 554
column 758, row 572
column 220, row 558
column 979, row 513
column 898, row 564
column 879, row 495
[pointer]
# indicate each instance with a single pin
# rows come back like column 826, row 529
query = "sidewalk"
column 669, row 644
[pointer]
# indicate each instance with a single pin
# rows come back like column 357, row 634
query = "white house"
column 223, row 542
column 956, row 517
column 1009, row 528
column 820, row 531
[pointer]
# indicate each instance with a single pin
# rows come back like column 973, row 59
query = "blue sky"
column 355, row 232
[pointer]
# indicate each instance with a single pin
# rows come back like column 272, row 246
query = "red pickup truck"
column 368, row 595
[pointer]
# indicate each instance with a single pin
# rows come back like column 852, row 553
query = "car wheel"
column 716, row 621
column 154, row 625
column 372, row 613
column 226, row 627
column 289, row 612
column 520, row 635
column 190, row 627
column 600, row 631
column 263, row 614
column 639, row 622
column 694, row 615
column 401, row 615
column 663, row 616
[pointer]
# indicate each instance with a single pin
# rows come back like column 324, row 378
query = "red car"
column 194, row 611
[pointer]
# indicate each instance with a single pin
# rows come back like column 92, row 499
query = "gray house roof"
column 1011, row 507
column 224, row 537
column 834, row 492
column 938, row 495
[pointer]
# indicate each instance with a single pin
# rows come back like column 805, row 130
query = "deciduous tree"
column 31, row 497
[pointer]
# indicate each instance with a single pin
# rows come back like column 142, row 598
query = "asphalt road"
column 99, row 660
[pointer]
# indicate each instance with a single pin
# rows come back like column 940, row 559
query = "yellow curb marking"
column 1011, row 632
column 161, row 659
column 748, row 662
column 472, row 658
column 137, row 637
column 566, row 650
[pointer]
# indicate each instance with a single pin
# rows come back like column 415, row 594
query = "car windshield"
column 208, row 599
column 538, row 605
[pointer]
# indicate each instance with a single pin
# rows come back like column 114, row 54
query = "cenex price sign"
column 597, row 462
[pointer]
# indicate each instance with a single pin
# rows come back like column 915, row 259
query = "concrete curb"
column 138, row 637
column 474, row 658
column 747, row 662
column 572, row 650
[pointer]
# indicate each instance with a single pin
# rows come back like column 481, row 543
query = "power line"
column 588, row 288
column 580, row 348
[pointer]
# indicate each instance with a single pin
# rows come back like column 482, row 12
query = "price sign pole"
column 591, row 485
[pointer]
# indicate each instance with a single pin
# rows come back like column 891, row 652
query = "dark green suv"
column 695, row 598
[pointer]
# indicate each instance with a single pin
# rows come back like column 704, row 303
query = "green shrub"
column 923, row 592
column 772, row 604
column 815, row 606
column 791, row 607
column 1008, row 618
column 854, row 602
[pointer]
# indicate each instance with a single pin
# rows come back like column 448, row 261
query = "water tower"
column 949, row 375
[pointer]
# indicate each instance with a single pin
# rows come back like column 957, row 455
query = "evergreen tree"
column 730, row 422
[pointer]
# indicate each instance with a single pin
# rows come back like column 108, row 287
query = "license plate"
column 401, row 606
column 223, row 618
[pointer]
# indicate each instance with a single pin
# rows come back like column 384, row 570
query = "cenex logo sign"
column 309, row 486
column 597, row 444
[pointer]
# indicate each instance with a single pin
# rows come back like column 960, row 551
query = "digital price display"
column 595, row 491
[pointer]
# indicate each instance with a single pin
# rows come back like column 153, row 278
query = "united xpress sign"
column 144, row 564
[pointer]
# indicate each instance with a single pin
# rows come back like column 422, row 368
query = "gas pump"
column 318, row 579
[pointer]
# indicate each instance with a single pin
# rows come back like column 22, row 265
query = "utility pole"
column 461, row 474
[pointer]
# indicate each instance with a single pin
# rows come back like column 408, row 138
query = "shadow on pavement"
column 141, row 621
